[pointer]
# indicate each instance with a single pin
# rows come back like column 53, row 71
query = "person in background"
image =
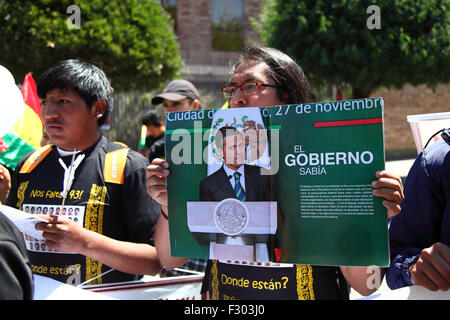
column 155, row 134
column 264, row 77
column 179, row 95
column 45, row 139
column 5, row 183
column 16, row 275
column 113, row 240
column 420, row 235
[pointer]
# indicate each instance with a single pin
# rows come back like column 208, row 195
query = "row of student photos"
column 74, row 213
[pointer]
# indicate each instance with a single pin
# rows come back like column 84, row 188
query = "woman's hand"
column 390, row 187
column 156, row 175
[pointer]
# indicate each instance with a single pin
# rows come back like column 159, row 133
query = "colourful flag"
column 30, row 96
column 21, row 126
column 142, row 137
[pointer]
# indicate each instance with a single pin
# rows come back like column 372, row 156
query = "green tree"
column 335, row 42
column 131, row 40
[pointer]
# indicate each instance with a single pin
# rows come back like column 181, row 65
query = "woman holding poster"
column 265, row 77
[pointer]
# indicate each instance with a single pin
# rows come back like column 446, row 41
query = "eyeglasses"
column 247, row 89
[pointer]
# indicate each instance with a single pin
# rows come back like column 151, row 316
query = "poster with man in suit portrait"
column 239, row 169
column 288, row 184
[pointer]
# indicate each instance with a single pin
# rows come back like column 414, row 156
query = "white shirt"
column 231, row 172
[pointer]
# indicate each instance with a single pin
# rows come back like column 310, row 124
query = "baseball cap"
column 177, row 90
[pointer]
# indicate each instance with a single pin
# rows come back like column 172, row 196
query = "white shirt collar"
column 64, row 153
column 230, row 172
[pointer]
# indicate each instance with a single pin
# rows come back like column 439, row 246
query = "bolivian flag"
column 25, row 131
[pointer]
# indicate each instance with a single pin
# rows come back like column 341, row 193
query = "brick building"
column 212, row 32
column 410, row 100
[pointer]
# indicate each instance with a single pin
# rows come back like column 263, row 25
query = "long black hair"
column 283, row 70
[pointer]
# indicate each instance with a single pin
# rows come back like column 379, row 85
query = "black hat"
column 177, row 90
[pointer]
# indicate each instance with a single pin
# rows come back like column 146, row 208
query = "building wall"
column 195, row 36
column 410, row 100
column 209, row 71
column 194, row 32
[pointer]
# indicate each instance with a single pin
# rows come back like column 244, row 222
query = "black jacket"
column 216, row 187
column 16, row 277
column 425, row 216
column 121, row 211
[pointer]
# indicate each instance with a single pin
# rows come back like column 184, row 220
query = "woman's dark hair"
column 89, row 80
column 283, row 70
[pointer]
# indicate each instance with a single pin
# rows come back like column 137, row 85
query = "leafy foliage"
column 332, row 43
column 131, row 40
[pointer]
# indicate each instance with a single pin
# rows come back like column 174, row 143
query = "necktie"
column 238, row 189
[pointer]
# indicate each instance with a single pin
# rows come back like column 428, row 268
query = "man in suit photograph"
column 234, row 179
column 240, row 181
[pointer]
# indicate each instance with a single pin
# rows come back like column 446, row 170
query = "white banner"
column 173, row 288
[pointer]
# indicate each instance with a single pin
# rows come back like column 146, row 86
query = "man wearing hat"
column 179, row 95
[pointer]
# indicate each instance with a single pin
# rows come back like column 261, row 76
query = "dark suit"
column 217, row 186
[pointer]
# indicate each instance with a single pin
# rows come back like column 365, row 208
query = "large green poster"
column 304, row 191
